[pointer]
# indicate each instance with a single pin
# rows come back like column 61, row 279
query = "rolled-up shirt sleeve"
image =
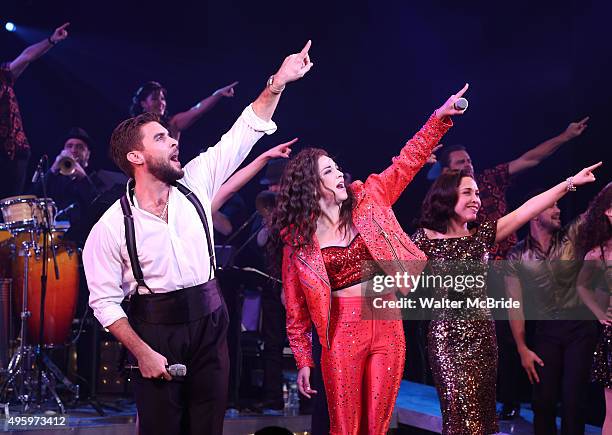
column 103, row 270
column 213, row 167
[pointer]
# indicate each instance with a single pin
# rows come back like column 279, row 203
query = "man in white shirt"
column 155, row 245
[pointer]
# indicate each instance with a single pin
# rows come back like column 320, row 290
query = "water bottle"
column 285, row 395
column 293, row 401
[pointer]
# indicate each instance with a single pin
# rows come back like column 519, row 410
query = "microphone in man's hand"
column 175, row 370
column 461, row 104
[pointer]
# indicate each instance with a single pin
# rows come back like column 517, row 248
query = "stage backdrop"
column 380, row 69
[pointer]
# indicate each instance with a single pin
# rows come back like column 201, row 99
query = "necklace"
column 162, row 216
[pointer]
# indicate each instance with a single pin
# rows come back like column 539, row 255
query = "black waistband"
column 180, row 306
column 580, row 312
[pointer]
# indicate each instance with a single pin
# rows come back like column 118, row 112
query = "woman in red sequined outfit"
column 332, row 239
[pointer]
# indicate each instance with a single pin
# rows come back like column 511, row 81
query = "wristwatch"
column 271, row 86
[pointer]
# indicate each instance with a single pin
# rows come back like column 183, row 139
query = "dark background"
column 380, row 68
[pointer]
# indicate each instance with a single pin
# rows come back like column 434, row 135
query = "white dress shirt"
column 172, row 255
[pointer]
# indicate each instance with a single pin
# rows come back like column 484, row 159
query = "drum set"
column 36, row 307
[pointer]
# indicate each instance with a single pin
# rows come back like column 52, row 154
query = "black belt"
column 579, row 312
column 180, row 306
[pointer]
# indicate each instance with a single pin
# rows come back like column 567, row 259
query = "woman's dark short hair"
column 439, row 203
column 142, row 94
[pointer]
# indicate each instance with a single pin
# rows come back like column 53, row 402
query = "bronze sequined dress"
column 602, row 357
column 461, row 343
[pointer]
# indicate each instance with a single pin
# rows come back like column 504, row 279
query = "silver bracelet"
column 570, row 184
column 272, row 88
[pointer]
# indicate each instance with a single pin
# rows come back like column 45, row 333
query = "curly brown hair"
column 596, row 229
column 294, row 219
column 439, row 203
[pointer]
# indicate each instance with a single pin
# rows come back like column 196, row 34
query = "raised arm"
column 511, row 222
column 244, row 175
column 184, row 120
column 35, row 51
column 534, row 156
column 294, row 67
column 213, row 167
column 389, row 184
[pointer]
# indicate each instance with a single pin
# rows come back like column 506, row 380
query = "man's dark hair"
column 127, row 137
column 444, row 157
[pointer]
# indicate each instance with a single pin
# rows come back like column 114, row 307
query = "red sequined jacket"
column 305, row 281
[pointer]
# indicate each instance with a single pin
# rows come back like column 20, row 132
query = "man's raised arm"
column 293, row 68
column 213, row 167
column 35, row 51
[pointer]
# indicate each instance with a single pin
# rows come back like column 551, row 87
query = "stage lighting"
column 10, row 27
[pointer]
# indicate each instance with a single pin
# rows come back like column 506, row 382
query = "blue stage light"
column 10, row 27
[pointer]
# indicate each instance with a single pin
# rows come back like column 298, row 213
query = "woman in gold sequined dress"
column 461, row 343
column 595, row 237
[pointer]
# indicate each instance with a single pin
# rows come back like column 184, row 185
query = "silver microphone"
column 461, row 104
column 175, row 370
column 178, row 370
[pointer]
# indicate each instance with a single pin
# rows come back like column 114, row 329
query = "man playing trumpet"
column 68, row 183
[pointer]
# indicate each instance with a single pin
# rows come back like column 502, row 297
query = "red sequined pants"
column 363, row 369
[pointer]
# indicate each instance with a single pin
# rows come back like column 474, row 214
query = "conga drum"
column 62, row 293
column 26, row 212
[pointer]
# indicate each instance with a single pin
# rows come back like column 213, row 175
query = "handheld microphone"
column 38, row 170
column 175, row 370
column 461, row 104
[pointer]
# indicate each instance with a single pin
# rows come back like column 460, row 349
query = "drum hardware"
column 5, row 321
column 65, row 210
column 25, row 212
column 31, row 375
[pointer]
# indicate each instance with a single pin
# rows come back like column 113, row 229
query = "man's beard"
column 163, row 170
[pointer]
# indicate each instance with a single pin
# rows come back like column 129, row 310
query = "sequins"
column 602, row 359
column 463, row 353
column 349, row 265
column 307, row 294
column 363, row 369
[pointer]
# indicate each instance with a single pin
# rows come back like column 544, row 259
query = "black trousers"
column 196, row 404
column 320, row 412
column 232, row 294
column 274, row 336
column 566, row 348
column 511, row 376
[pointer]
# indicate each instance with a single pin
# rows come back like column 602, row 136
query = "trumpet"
column 67, row 165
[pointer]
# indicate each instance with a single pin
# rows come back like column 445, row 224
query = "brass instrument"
column 67, row 165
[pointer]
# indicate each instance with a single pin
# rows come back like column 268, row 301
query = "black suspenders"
column 130, row 235
column 198, row 206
